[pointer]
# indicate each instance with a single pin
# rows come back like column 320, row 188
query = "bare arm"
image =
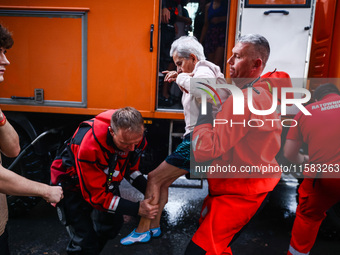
column 206, row 24
column 9, row 139
column 165, row 15
column 14, row 184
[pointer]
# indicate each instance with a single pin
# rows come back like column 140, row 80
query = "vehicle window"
column 188, row 18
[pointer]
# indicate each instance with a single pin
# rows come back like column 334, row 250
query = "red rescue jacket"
column 240, row 143
column 91, row 157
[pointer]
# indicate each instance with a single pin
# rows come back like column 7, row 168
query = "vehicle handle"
column 151, row 37
column 276, row 11
column 24, row 98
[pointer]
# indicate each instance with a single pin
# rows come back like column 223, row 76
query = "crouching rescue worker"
column 102, row 152
column 235, row 196
column 320, row 189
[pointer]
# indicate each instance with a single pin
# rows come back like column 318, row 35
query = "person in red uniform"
column 320, row 189
column 102, row 152
column 235, row 197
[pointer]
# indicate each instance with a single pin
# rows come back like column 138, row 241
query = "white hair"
column 186, row 45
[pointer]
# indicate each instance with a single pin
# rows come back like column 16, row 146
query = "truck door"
column 288, row 26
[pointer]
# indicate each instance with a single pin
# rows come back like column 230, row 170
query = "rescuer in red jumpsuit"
column 320, row 189
column 102, row 152
column 234, row 197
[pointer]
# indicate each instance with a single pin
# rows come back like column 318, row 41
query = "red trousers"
column 311, row 211
column 222, row 217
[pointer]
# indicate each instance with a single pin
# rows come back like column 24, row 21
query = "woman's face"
column 185, row 65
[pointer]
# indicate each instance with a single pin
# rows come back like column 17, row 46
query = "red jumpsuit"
column 93, row 151
column 321, row 132
column 235, row 197
column 90, row 170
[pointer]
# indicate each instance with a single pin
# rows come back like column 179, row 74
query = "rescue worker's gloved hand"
column 148, row 210
column 205, row 118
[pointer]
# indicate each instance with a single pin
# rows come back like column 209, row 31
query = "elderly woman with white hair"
column 188, row 56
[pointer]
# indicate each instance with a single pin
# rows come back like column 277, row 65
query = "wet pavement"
column 40, row 232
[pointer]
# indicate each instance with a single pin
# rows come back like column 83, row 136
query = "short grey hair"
column 260, row 43
column 127, row 118
column 186, row 45
column 325, row 89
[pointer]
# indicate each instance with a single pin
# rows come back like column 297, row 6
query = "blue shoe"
column 135, row 237
column 156, row 232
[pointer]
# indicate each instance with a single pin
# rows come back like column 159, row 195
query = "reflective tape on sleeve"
column 114, row 203
column 295, row 252
column 135, row 174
